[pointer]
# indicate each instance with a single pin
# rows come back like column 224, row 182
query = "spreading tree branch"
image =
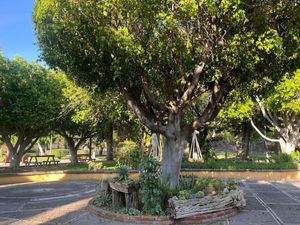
column 141, row 112
column 185, row 98
column 261, row 134
column 266, row 114
column 149, row 97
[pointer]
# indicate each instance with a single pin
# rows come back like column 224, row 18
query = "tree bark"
column 15, row 160
column 73, row 150
column 246, row 140
column 109, row 142
column 173, row 150
column 287, row 146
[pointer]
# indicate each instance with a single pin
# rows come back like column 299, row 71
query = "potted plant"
column 124, row 188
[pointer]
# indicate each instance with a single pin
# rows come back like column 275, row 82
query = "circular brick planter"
column 163, row 220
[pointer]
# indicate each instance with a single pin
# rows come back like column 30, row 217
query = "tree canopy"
column 28, row 95
column 163, row 55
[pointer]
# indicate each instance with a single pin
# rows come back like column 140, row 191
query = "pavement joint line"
column 12, row 211
column 286, row 193
column 268, row 209
column 273, row 214
column 76, row 218
column 21, row 207
column 62, row 196
column 250, row 210
column 276, row 203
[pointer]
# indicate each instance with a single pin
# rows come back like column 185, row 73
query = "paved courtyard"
column 65, row 202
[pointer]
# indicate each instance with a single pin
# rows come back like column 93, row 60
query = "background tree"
column 164, row 54
column 29, row 105
column 282, row 110
column 235, row 117
column 77, row 122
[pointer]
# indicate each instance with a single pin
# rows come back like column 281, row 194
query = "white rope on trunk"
column 154, row 151
column 195, row 151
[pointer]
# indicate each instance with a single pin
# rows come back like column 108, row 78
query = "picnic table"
column 36, row 162
column 84, row 158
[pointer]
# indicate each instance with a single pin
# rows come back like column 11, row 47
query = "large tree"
column 29, row 105
column 77, row 122
column 282, row 111
column 164, row 54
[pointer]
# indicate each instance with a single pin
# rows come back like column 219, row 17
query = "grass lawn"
column 67, row 168
column 230, row 164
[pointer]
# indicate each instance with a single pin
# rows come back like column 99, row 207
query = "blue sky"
column 16, row 29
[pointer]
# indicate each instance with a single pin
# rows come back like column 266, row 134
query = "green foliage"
column 59, row 153
column 129, row 154
column 282, row 158
column 199, row 188
column 218, row 184
column 145, row 46
column 237, row 108
column 186, row 182
column 103, row 199
column 95, row 166
column 150, row 186
column 123, row 174
column 296, row 156
column 208, row 153
column 239, row 165
column 131, row 211
column 286, row 97
column 28, row 95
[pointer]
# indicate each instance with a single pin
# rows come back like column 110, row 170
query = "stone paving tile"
column 6, row 221
column 11, row 206
column 252, row 218
column 285, row 186
column 46, row 189
column 50, row 204
column 294, row 194
column 21, row 214
column 253, row 204
column 67, row 217
column 262, row 187
column 248, row 194
column 289, row 214
column 91, row 219
column 275, row 197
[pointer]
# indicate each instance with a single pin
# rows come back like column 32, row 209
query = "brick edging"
column 163, row 220
column 112, row 171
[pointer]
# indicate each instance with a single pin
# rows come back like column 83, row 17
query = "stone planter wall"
column 161, row 220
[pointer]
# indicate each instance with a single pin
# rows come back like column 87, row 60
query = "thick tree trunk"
column 246, row 139
column 73, row 153
column 15, row 160
column 109, row 142
column 73, row 150
column 287, row 146
column 173, row 150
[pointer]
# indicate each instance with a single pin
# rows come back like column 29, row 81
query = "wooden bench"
column 55, row 162
column 34, row 160
column 84, row 158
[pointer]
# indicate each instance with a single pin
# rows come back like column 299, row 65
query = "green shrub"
column 186, row 182
column 103, row 199
column 123, row 174
column 282, row 158
column 295, row 156
column 234, row 164
column 208, row 153
column 149, row 180
column 129, row 154
column 130, row 211
column 95, row 166
column 60, row 153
